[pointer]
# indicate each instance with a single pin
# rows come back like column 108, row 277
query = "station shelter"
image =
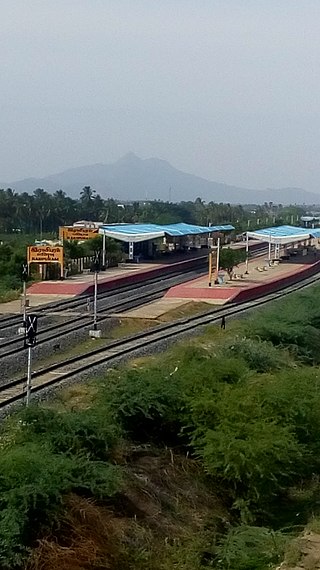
column 151, row 240
column 285, row 240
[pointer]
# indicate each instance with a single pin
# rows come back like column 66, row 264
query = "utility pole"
column 24, row 277
column 210, row 268
column 30, row 340
column 95, row 299
column 24, row 284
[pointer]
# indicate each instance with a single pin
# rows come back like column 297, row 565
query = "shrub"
column 33, row 482
column 146, row 403
column 292, row 398
column 89, row 432
column 260, row 355
column 255, row 458
column 250, row 548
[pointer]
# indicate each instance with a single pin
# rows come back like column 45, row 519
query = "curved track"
column 14, row 391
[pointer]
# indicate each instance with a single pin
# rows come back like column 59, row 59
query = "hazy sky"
column 226, row 89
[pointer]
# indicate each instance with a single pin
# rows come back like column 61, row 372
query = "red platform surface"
column 111, row 279
column 246, row 289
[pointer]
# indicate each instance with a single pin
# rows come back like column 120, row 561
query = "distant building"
column 87, row 224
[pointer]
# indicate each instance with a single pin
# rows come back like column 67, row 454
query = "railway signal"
column 95, row 333
column 30, row 340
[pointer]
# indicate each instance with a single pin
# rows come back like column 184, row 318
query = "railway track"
column 7, row 322
column 42, row 379
column 13, row 346
column 114, row 302
column 81, row 302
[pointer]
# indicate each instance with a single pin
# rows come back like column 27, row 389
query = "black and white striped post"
column 30, row 340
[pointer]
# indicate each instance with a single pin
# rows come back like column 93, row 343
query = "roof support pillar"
column 247, row 254
column 269, row 250
column 131, row 249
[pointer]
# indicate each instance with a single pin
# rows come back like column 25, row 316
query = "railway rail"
column 79, row 302
column 12, row 346
column 117, row 301
column 43, row 379
column 11, row 321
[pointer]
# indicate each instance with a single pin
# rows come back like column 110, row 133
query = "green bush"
column 259, row 355
column 292, row 398
column 292, row 323
column 146, row 403
column 33, row 482
column 250, row 548
column 255, row 458
column 90, row 432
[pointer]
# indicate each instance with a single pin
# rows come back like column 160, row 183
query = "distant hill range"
column 133, row 178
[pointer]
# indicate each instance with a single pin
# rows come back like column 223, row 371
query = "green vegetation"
column 26, row 217
column 41, row 212
column 12, row 256
column 206, row 456
column 230, row 258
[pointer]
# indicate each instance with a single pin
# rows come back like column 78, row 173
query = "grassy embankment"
column 206, row 456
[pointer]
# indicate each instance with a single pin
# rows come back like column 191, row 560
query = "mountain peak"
column 133, row 178
column 129, row 158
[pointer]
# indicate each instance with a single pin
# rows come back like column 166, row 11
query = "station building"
column 286, row 241
column 149, row 241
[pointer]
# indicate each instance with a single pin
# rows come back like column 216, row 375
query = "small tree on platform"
column 230, row 258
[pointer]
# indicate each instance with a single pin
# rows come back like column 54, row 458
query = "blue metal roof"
column 284, row 234
column 142, row 232
column 315, row 232
column 282, row 231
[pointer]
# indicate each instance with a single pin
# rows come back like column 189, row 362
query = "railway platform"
column 126, row 274
column 81, row 284
column 260, row 280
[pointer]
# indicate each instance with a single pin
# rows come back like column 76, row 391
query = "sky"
column 225, row 89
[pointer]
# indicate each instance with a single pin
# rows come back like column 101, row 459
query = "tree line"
column 41, row 212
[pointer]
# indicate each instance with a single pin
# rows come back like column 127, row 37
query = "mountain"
column 133, row 178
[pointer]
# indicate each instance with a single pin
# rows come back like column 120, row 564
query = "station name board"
column 77, row 234
column 45, row 254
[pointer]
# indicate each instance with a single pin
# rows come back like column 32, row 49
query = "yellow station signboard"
column 45, row 254
column 77, row 233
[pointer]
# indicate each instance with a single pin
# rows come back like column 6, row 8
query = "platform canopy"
column 143, row 232
column 284, row 234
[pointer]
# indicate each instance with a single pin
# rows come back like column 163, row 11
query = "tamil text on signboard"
column 77, row 234
column 45, row 254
